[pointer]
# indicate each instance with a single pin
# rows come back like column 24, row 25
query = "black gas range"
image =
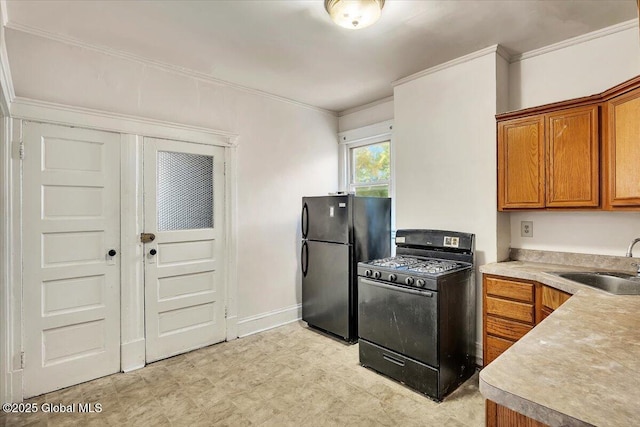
column 416, row 311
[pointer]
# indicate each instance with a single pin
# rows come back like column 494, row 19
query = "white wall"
column 445, row 155
column 285, row 150
column 446, row 152
column 577, row 70
column 607, row 233
column 585, row 68
column 365, row 115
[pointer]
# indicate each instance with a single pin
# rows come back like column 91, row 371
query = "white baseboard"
column 132, row 355
column 479, row 360
column 232, row 328
column 269, row 320
column 15, row 383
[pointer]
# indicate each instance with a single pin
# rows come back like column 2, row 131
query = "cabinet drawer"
column 510, row 309
column 495, row 347
column 506, row 328
column 509, row 289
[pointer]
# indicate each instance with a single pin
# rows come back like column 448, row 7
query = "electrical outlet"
column 526, row 228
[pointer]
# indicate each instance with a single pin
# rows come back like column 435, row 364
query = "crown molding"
column 4, row 17
column 6, row 83
column 7, row 94
column 164, row 66
column 511, row 58
column 365, row 106
column 613, row 29
column 461, row 60
column 51, row 112
column 504, row 53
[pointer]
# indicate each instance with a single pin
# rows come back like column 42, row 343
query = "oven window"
column 370, row 172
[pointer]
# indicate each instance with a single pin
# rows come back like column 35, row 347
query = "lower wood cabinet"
column 508, row 313
column 511, row 308
column 551, row 299
column 501, row 416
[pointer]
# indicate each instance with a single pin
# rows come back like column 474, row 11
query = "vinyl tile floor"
column 288, row 376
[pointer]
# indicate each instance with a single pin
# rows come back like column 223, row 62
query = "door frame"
column 132, row 130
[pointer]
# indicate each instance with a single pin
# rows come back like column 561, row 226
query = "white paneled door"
column 184, row 280
column 71, row 271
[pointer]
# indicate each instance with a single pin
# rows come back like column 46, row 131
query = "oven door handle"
column 396, row 288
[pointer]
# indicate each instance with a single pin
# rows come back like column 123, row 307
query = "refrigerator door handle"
column 304, row 258
column 304, row 224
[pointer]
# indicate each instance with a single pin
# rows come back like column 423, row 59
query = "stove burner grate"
column 394, row 262
column 434, row 266
column 416, row 265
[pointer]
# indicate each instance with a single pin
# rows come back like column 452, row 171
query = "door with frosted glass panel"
column 184, row 280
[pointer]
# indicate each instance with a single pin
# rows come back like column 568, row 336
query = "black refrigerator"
column 338, row 232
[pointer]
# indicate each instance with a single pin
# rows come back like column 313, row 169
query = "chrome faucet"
column 629, row 254
column 633, row 242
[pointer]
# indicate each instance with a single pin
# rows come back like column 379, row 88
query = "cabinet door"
column 573, row 158
column 501, row 416
column 551, row 299
column 622, row 148
column 521, row 163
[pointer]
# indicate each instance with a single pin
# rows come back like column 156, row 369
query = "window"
column 185, row 191
column 370, row 169
column 366, row 163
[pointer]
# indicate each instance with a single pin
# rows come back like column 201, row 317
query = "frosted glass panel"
column 185, row 191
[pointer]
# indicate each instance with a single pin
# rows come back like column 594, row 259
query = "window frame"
column 372, row 134
column 359, row 137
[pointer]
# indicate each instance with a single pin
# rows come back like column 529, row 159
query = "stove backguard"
column 443, row 244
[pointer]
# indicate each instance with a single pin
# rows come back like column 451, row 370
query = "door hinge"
column 226, row 311
column 225, row 168
column 22, row 359
column 21, row 150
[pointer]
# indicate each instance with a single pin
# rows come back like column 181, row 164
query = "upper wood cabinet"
column 549, row 160
column 567, row 156
column 573, row 156
column 521, row 163
column 622, row 150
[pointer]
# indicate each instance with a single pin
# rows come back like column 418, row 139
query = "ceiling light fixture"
column 354, row 14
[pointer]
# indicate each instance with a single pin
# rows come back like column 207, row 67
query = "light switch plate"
column 526, row 228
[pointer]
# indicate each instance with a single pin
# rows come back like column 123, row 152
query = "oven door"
column 401, row 319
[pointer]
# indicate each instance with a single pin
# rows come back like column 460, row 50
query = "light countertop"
column 581, row 365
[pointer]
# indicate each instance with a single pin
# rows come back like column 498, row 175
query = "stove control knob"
column 376, row 274
column 392, row 277
column 409, row 280
column 421, row 283
column 368, row 273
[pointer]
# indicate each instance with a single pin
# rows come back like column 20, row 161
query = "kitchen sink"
column 612, row 282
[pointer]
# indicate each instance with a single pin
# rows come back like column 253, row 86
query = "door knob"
column 153, row 252
column 112, row 252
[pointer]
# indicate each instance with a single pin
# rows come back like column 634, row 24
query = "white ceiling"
column 291, row 48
